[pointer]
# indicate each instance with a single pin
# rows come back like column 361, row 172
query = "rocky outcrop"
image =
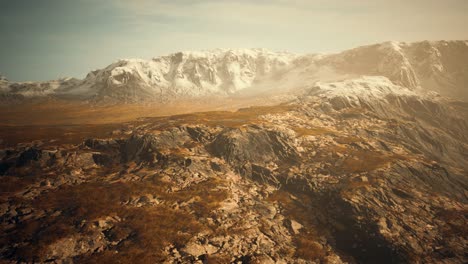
column 255, row 145
column 374, row 175
column 386, row 220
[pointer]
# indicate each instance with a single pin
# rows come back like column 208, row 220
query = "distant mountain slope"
column 186, row 74
column 432, row 66
column 440, row 66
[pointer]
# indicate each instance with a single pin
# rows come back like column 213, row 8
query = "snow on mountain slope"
column 440, row 66
column 432, row 66
column 366, row 87
column 370, row 92
column 184, row 74
column 386, row 59
column 38, row 89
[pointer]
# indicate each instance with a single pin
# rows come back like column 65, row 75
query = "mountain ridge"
column 429, row 65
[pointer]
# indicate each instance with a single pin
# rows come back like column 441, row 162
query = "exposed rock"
column 29, row 155
column 372, row 177
column 73, row 246
column 253, row 144
column 294, row 226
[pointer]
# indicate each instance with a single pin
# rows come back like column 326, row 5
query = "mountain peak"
column 226, row 53
column 431, row 65
column 393, row 45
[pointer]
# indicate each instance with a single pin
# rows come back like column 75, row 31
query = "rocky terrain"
column 361, row 158
column 359, row 171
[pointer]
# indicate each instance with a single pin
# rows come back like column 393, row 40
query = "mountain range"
column 438, row 66
column 354, row 157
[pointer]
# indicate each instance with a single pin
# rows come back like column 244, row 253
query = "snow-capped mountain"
column 41, row 89
column 440, row 66
column 185, row 74
column 426, row 66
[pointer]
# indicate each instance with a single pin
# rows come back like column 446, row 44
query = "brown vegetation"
column 300, row 209
column 57, row 134
column 71, row 124
column 302, row 131
column 217, row 259
column 9, row 185
column 307, row 247
column 145, row 230
column 364, row 161
column 236, row 119
column 457, row 222
column 348, row 140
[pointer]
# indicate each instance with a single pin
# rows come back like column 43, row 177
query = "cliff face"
column 436, row 66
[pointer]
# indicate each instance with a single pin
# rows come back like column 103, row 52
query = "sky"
column 50, row 39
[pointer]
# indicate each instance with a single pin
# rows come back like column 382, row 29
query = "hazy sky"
column 47, row 39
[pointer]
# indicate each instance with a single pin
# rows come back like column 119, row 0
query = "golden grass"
column 151, row 231
column 217, row 259
column 69, row 134
column 348, row 139
column 456, row 222
column 150, row 228
column 364, row 161
column 236, row 119
column 307, row 248
column 300, row 210
column 180, row 152
column 77, row 113
column 9, row 185
column 302, row 131
column 69, row 123
column 58, row 112
column 356, row 161
column 358, row 184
